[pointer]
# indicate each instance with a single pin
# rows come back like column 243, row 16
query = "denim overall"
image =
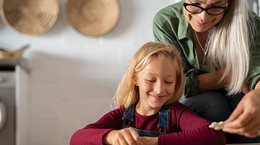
column 162, row 125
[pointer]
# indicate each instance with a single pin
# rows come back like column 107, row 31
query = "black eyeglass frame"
column 204, row 9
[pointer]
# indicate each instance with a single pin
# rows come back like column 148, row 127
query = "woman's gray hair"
column 229, row 43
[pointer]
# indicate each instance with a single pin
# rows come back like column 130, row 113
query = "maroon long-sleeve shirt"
column 185, row 128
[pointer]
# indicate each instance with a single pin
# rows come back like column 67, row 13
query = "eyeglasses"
column 195, row 9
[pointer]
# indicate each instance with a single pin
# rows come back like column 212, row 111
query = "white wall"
column 73, row 77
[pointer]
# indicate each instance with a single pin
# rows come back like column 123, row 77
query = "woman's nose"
column 203, row 15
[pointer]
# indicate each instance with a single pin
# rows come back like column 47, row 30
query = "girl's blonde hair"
column 229, row 43
column 127, row 92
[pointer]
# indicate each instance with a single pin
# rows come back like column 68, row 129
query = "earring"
column 135, row 82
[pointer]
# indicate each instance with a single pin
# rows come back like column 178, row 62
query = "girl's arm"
column 93, row 133
column 193, row 130
column 107, row 130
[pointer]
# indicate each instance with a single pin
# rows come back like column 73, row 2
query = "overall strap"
column 128, row 115
column 163, row 119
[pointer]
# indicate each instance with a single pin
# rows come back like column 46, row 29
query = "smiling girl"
column 149, row 112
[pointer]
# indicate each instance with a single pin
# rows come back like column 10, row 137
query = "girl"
column 149, row 112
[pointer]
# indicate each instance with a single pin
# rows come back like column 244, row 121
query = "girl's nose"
column 158, row 88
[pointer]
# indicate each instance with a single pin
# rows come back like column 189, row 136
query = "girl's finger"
column 135, row 135
column 131, row 137
column 122, row 141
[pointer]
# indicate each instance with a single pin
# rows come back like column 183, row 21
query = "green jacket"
column 171, row 26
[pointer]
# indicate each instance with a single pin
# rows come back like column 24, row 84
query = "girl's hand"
column 245, row 119
column 149, row 140
column 126, row 136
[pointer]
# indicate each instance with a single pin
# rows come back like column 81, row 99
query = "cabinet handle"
column 2, row 115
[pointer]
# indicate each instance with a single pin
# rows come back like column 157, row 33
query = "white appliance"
column 7, row 107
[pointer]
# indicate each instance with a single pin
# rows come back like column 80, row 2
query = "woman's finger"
column 255, row 131
column 236, row 113
column 234, row 128
column 242, row 120
column 249, row 130
column 252, row 127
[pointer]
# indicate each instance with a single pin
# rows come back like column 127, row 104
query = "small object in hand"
column 217, row 125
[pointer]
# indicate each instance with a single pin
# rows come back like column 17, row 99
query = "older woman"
column 219, row 41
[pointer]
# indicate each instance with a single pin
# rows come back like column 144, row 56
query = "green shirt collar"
column 184, row 27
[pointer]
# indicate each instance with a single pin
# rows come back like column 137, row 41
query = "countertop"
column 9, row 64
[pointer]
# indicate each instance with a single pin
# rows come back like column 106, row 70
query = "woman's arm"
column 211, row 81
column 245, row 119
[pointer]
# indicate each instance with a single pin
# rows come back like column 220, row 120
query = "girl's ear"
column 135, row 79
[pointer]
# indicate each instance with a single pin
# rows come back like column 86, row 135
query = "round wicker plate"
column 93, row 17
column 30, row 16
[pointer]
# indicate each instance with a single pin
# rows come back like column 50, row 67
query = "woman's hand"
column 126, row 136
column 245, row 119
